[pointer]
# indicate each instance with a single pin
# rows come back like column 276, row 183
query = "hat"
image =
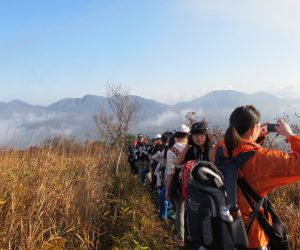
column 199, row 126
column 158, row 136
column 140, row 136
column 183, row 129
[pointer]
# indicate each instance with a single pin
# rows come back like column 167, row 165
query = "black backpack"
column 212, row 194
column 208, row 218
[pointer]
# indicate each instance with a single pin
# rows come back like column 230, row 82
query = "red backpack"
column 186, row 171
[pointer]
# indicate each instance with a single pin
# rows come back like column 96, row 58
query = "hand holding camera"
column 284, row 129
column 281, row 127
column 271, row 127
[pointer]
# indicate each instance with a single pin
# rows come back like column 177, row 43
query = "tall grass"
column 132, row 221
column 50, row 199
column 68, row 198
column 286, row 201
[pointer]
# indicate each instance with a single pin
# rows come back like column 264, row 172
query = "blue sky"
column 168, row 50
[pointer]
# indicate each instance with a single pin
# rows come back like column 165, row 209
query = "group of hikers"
column 219, row 189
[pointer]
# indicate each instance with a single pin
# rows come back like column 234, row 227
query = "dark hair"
column 209, row 141
column 241, row 120
column 181, row 135
column 171, row 141
column 171, row 144
column 165, row 136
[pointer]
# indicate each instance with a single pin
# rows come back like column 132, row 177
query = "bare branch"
column 113, row 126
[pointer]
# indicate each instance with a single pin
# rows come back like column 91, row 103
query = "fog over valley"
column 23, row 125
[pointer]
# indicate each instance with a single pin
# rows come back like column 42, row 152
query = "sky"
column 169, row 51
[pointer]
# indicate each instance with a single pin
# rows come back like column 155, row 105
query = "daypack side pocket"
column 199, row 221
column 239, row 233
column 199, row 218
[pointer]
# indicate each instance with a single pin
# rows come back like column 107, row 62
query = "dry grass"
column 52, row 200
column 69, row 199
column 286, row 201
column 132, row 220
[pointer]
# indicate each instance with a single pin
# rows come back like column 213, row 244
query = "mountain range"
column 23, row 124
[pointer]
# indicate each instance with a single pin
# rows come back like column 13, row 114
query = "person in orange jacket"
column 267, row 169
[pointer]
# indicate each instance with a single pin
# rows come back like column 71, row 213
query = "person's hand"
column 284, row 129
column 263, row 129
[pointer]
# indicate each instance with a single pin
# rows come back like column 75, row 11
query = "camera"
column 271, row 127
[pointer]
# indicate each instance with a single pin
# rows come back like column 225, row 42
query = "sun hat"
column 158, row 136
column 183, row 129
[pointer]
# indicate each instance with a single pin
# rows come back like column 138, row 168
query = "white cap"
column 183, row 129
column 158, row 136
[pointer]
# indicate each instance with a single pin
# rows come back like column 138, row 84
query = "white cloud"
column 284, row 91
column 270, row 14
column 173, row 118
column 27, row 129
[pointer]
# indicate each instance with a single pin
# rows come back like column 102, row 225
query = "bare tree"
column 217, row 134
column 113, row 125
column 190, row 118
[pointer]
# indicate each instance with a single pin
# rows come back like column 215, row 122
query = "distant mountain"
column 29, row 124
column 18, row 106
column 230, row 99
column 218, row 98
column 88, row 104
column 222, row 102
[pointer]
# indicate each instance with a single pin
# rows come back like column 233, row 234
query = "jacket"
column 264, row 171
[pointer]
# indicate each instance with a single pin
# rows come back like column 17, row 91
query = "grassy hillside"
column 52, row 199
column 68, row 198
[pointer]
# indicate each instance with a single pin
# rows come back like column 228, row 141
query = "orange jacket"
column 265, row 171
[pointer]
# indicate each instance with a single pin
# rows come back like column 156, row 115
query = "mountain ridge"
column 73, row 116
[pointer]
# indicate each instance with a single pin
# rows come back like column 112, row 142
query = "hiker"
column 173, row 182
column 155, row 155
column 198, row 146
column 142, row 163
column 160, row 171
column 132, row 158
column 266, row 169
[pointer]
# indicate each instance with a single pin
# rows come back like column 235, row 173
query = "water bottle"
column 225, row 215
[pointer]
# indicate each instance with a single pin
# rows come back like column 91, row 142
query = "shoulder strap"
column 174, row 150
column 229, row 168
column 238, row 160
column 251, row 197
column 195, row 151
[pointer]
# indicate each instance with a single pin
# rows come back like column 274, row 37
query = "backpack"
column 211, row 195
column 186, row 173
column 276, row 231
column 175, row 187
